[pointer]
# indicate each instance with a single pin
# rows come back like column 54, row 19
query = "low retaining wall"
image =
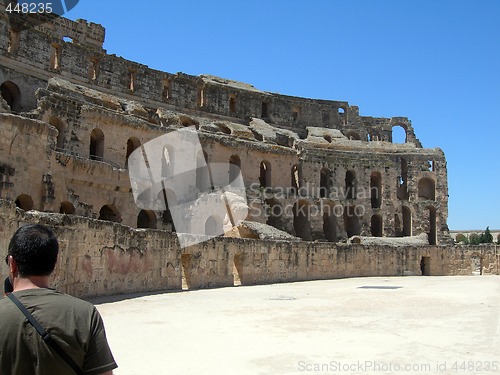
column 103, row 258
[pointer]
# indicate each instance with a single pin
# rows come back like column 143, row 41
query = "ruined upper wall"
column 73, row 51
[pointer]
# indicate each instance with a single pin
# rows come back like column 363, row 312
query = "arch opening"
column 169, row 198
column 274, row 213
column 265, row 174
column 324, row 183
column 376, row 226
column 146, row 219
column 301, row 220
column 376, row 189
column 132, row 144
column 295, row 177
column 67, row 208
column 61, row 129
column 97, row 144
column 398, row 134
column 351, row 222
column 432, row 234
column 407, row 222
column 427, row 189
column 350, row 185
column 12, row 95
column 234, row 167
column 330, row 226
column 109, row 213
column 24, row 202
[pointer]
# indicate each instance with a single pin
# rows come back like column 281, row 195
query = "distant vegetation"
column 477, row 239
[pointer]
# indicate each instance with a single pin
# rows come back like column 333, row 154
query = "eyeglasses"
column 7, row 260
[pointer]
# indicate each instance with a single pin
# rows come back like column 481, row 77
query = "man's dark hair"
column 34, row 247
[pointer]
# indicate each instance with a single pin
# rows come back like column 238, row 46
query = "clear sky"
column 436, row 62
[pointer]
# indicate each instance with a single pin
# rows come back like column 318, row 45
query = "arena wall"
column 103, row 258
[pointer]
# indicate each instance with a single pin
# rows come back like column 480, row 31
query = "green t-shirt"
column 73, row 323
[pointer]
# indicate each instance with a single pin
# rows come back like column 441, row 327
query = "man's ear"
column 13, row 266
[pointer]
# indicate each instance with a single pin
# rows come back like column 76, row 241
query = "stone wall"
column 102, row 258
column 73, row 51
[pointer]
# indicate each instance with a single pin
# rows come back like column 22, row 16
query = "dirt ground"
column 380, row 325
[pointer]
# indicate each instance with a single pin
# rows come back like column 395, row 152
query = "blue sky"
column 436, row 62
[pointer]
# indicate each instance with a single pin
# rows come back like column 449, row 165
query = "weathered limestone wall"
column 103, row 258
column 30, row 57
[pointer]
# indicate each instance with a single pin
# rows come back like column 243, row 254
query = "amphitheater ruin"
column 331, row 193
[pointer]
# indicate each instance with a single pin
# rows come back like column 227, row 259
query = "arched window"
column 167, row 89
column 402, row 183
column 374, row 136
column 167, row 162
column 146, row 219
column 109, row 213
column 427, row 189
column 324, row 183
column 398, row 134
column 132, row 144
column 14, row 38
column 61, row 128
column 55, row 57
column 432, row 226
column 232, row 104
column 203, row 181
column 274, row 213
column 234, row 167
column 265, row 174
column 301, row 220
column 351, row 221
column 350, row 185
column 330, row 224
column 97, row 144
column 376, row 226
column 12, row 95
column 342, row 115
column 264, row 110
column 354, row 136
column 376, row 189
column 67, row 208
column 407, row 221
column 295, row 177
column 168, row 198
column 24, row 202
column 201, row 96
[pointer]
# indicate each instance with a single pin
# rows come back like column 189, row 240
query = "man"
column 75, row 325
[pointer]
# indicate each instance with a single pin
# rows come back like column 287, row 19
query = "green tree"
column 461, row 239
column 474, row 239
column 486, row 236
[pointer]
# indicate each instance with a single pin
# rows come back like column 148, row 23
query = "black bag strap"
column 45, row 335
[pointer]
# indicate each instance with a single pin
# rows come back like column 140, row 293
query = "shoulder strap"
column 45, row 335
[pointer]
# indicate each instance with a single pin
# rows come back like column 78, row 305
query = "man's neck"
column 30, row 282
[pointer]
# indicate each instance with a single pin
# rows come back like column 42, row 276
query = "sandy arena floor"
column 382, row 325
